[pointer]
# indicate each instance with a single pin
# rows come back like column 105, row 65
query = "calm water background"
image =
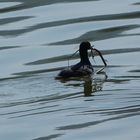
column 36, row 38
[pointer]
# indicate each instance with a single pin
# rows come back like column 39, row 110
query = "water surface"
column 36, row 39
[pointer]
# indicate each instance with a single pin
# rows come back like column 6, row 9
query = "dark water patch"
column 129, row 76
column 51, row 60
column 12, row 78
column 11, row 33
column 12, row 8
column 27, row 110
column 137, row 3
column 131, row 15
column 33, row 3
column 32, row 73
column 13, row 19
column 45, row 112
column 66, row 57
column 101, row 34
column 98, row 111
column 50, row 137
column 117, row 81
column 137, row 71
column 8, row 47
column 127, row 110
column 27, row 74
column 93, row 123
column 40, row 99
column 120, row 16
column 112, row 111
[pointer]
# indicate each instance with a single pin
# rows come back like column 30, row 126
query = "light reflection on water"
column 36, row 40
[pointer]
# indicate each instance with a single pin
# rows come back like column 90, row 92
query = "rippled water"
column 36, row 39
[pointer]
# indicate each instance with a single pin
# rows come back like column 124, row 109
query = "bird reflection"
column 90, row 84
column 94, row 84
column 88, row 87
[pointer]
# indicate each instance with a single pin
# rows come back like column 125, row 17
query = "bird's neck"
column 84, row 58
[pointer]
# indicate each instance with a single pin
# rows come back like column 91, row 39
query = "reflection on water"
column 88, row 87
column 94, row 84
column 90, row 84
column 36, row 40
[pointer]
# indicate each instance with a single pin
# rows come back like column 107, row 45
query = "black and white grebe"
column 84, row 67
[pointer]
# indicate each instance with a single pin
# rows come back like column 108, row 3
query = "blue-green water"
column 36, row 39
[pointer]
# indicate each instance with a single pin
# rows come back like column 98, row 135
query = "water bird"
column 84, row 67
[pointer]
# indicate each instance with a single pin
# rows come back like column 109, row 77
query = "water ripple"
column 65, row 57
column 101, row 34
column 132, row 15
column 50, row 137
column 88, row 124
column 30, row 4
column 37, row 38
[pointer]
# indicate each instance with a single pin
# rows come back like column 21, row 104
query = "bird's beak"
column 91, row 47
